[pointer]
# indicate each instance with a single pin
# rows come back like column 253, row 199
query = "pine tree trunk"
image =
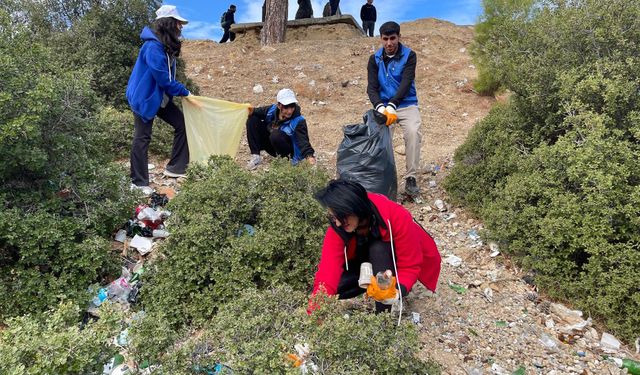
column 274, row 27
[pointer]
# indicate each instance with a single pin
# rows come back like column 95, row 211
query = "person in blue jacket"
column 151, row 88
column 392, row 90
column 280, row 130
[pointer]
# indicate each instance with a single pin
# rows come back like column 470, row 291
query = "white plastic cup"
column 366, row 271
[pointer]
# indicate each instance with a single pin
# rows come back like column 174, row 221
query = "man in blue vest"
column 280, row 130
column 392, row 91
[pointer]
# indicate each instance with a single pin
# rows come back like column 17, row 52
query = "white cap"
column 169, row 11
column 286, row 97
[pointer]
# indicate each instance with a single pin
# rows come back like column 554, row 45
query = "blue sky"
column 204, row 15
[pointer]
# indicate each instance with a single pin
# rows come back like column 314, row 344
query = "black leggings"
column 379, row 255
column 173, row 116
column 275, row 143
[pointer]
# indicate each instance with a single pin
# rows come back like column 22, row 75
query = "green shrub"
column 554, row 172
column 254, row 332
column 54, row 343
column 59, row 195
column 210, row 258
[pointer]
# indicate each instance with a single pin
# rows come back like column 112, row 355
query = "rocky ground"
column 484, row 318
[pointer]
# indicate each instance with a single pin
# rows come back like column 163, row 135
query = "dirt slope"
column 475, row 332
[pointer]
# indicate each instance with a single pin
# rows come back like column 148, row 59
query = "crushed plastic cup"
column 366, row 271
column 609, row 343
column 121, row 235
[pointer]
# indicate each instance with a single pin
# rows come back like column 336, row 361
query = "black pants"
column 274, row 142
column 228, row 35
column 368, row 27
column 379, row 255
column 172, row 115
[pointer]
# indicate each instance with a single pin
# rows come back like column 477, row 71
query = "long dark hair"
column 166, row 29
column 346, row 198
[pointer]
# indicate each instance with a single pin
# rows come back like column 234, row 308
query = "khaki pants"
column 410, row 122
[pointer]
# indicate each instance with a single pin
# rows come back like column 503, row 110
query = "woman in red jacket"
column 368, row 227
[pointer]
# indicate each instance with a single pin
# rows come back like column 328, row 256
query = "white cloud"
column 202, row 30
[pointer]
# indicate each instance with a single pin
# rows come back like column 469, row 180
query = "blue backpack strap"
column 271, row 113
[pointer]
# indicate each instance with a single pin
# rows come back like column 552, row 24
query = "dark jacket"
column 305, row 10
column 228, row 19
column 153, row 76
column 406, row 86
column 300, row 136
column 368, row 13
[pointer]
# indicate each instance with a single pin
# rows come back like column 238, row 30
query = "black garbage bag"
column 366, row 155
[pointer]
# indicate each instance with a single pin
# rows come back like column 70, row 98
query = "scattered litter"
column 449, row 217
column 432, row 184
column 439, row 203
column 121, row 235
column 415, row 317
column 609, row 343
column 488, row 294
column 151, row 166
column 458, row 288
column 246, row 229
column 633, row 367
column 142, row 244
column 453, row 260
column 257, row 89
column 473, row 235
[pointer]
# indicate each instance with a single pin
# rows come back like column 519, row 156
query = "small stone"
column 257, row 89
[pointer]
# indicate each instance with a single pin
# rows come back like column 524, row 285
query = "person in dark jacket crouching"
column 280, row 130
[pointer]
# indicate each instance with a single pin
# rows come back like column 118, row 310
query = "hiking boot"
column 411, row 187
column 145, row 190
column 254, row 162
column 168, row 173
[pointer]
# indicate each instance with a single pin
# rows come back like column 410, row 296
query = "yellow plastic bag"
column 213, row 128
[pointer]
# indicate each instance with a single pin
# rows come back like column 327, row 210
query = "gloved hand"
column 192, row 100
column 387, row 296
column 250, row 110
column 380, row 108
column 392, row 115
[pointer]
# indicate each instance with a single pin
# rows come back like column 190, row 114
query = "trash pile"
column 139, row 237
column 488, row 317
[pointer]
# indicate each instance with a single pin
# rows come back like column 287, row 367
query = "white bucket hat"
column 286, row 97
column 169, row 11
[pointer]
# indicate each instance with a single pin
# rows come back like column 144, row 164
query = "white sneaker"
column 168, row 173
column 145, row 190
column 254, row 162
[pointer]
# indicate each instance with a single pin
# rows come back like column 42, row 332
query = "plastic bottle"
column 384, row 279
column 633, row 367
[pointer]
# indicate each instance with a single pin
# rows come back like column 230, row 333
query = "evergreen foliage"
column 211, row 257
column 254, row 333
column 554, row 172
column 54, row 343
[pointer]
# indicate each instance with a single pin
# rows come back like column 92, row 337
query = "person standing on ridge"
column 305, row 10
column 150, row 90
column 334, row 6
column 392, row 90
column 226, row 21
column 368, row 15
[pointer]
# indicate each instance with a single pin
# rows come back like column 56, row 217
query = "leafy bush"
column 210, row 257
column 57, row 190
column 54, row 343
column 554, row 172
column 254, row 333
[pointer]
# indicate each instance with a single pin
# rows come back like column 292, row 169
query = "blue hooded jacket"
column 153, row 75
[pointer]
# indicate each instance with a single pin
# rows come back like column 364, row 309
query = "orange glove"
column 387, row 296
column 250, row 110
column 391, row 114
